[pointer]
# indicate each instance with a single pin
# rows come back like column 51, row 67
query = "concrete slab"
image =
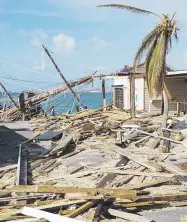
column 166, row 215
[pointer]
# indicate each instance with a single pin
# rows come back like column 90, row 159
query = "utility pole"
column 103, row 95
column 62, row 76
column 10, row 97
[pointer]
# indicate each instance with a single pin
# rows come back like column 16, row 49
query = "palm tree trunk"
column 132, row 95
column 166, row 107
column 166, row 144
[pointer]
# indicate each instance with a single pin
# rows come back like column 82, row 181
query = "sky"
column 81, row 37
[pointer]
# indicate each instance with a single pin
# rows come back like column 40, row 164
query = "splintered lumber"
column 45, row 166
column 136, row 173
column 62, row 145
column 128, row 216
column 83, row 208
column 38, row 163
column 52, row 207
column 22, row 171
column 71, row 154
column 48, row 170
column 90, row 191
column 11, row 167
column 32, row 212
column 141, row 204
column 31, row 138
column 172, row 168
column 109, row 177
column 76, row 169
column 156, row 136
column 149, row 184
column 138, row 159
column 165, row 197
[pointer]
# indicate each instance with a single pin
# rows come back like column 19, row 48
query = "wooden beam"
column 136, row 173
column 128, row 216
column 32, row 212
column 138, row 159
column 172, row 168
column 64, row 142
column 59, row 190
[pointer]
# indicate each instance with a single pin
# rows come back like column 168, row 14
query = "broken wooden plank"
column 76, row 169
column 90, row 191
column 149, row 184
column 56, row 205
column 11, row 167
column 71, row 154
column 111, row 176
column 32, row 212
column 45, row 166
column 142, row 140
column 62, row 145
column 156, row 136
column 141, row 204
column 138, row 159
column 164, row 197
column 101, row 184
column 82, row 208
column 172, row 168
column 136, row 173
column 39, row 163
column 22, row 171
column 49, row 169
column 128, row 216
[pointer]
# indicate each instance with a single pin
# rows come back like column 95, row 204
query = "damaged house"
column 176, row 82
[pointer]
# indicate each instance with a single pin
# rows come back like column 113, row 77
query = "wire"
column 31, row 70
column 23, row 80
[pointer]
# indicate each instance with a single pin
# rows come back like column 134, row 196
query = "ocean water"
column 65, row 102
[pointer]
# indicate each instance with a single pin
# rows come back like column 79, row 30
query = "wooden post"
column 10, row 97
column 103, row 95
column 132, row 94
column 62, row 76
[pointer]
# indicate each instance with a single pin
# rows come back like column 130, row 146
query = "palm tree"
column 155, row 46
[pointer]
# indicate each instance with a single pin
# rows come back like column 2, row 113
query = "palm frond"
column 145, row 45
column 173, row 16
column 156, row 66
column 130, row 8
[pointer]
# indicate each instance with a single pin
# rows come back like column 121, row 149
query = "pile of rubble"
column 97, row 165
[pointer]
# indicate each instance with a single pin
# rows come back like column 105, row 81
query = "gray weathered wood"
column 128, row 216
column 62, row 145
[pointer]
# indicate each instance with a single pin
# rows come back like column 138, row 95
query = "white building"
column 176, row 82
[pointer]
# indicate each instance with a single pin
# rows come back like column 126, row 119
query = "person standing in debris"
column 52, row 111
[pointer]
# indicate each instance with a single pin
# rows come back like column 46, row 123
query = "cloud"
column 36, row 37
column 62, row 43
column 36, row 42
column 99, row 44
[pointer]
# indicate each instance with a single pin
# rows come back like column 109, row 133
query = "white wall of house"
column 139, row 91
